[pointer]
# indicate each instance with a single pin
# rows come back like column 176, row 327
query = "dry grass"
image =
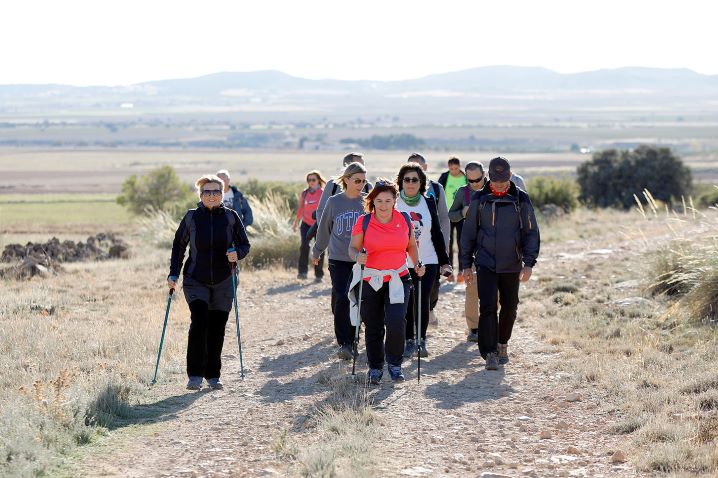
column 654, row 357
column 344, row 430
column 76, row 356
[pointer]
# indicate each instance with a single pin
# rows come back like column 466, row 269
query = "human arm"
column 179, row 246
column 456, row 211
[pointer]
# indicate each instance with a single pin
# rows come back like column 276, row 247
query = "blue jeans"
column 341, row 274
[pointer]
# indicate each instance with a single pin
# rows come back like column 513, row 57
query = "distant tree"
column 159, row 189
column 392, row 141
column 612, row 177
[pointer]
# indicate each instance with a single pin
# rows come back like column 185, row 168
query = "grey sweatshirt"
column 335, row 226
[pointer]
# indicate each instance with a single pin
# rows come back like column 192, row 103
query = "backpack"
column 367, row 217
column 434, row 194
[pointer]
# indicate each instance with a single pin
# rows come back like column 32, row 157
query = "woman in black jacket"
column 210, row 230
column 432, row 249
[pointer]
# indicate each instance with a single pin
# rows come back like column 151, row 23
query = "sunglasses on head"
column 410, row 180
column 474, row 181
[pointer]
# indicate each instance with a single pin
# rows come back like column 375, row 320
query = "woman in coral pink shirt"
column 386, row 236
column 308, row 203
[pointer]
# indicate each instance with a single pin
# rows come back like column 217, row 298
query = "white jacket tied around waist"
column 376, row 281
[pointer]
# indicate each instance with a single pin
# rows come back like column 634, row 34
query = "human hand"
column 468, row 276
column 525, row 274
column 232, row 256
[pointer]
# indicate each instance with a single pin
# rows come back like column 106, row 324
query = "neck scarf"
column 410, row 201
column 498, row 193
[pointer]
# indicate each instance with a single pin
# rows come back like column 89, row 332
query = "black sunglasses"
column 474, row 181
column 411, row 180
column 212, row 192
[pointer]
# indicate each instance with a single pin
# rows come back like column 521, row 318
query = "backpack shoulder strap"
column 409, row 225
column 334, row 188
column 188, row 218
column 365, row 222
column 467, row 196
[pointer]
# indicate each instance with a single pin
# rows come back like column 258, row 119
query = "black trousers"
column 384, row 320
column 304, row 253
column 456, row 228
column 341, row 274
column 495, row 325
column 427, row 284
column 206, row 338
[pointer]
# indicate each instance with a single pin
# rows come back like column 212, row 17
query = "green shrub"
column 705, row 195
column 160, row 189
column 612, row 177
column 562, row 192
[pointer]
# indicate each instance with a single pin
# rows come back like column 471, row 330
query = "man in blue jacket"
column 501, row 237
column 234, row 199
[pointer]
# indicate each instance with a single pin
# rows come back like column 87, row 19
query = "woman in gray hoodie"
column 334, row 231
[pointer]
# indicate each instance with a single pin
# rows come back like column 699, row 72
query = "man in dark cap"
column 501, row 237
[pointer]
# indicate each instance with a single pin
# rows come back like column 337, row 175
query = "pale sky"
column 110, row 42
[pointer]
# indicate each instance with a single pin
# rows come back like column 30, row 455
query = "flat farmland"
column 103, row 171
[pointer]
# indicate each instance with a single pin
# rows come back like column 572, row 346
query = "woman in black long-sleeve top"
column 210, row 231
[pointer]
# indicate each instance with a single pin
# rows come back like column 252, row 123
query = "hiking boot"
column 302, row 276
column 409, row 348
column 194, row 383
column 395, row 373
column 215, row 383
column 503, row 354
column 318, row 279
column 492, row 361
column 345, row 352
column 422, row 349
column 373, row 376
column 473, row 335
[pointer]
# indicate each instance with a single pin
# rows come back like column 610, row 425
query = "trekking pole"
column 162, row 339
column 417, row 333
column 236, row 315
column 355, row 352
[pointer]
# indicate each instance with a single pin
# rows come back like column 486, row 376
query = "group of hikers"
column 387, row 245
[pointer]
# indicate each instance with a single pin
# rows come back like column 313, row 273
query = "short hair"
column 352, row 157
column 409, row 168
column 454, row 160
column 381, row 185
column 349, row 170
column 223, row 172
column 474, row 166
column 206, row 179
column 319, row 176
column 416, row 158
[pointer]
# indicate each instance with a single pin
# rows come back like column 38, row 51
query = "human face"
column 384, row 203
column 312, row 181
column 455, row 169
column 501, row 186
column 411, row 183
column 225, row 180
column 355, row 183
column 211, row 195
column 475, row 179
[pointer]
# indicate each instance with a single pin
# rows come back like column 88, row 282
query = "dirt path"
column 459, row 421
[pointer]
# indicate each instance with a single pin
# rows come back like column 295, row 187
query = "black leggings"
column 427, row 284
column 206, row 337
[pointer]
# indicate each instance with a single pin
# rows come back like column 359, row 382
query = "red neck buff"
column 498, row 193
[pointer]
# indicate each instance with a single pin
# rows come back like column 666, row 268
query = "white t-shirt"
column 421, row 218
column 228, row 200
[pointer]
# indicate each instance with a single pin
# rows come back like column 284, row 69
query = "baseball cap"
column 499, row 170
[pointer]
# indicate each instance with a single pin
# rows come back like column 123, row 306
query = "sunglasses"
column 212, row 192
column 411, row 180
column 312, row 180
column 358, row 181
column 474, row 181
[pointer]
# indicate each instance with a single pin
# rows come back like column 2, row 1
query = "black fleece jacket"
column 209, row 233
column 500, row 232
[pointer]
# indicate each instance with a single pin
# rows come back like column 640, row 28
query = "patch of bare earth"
column 287, row 418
